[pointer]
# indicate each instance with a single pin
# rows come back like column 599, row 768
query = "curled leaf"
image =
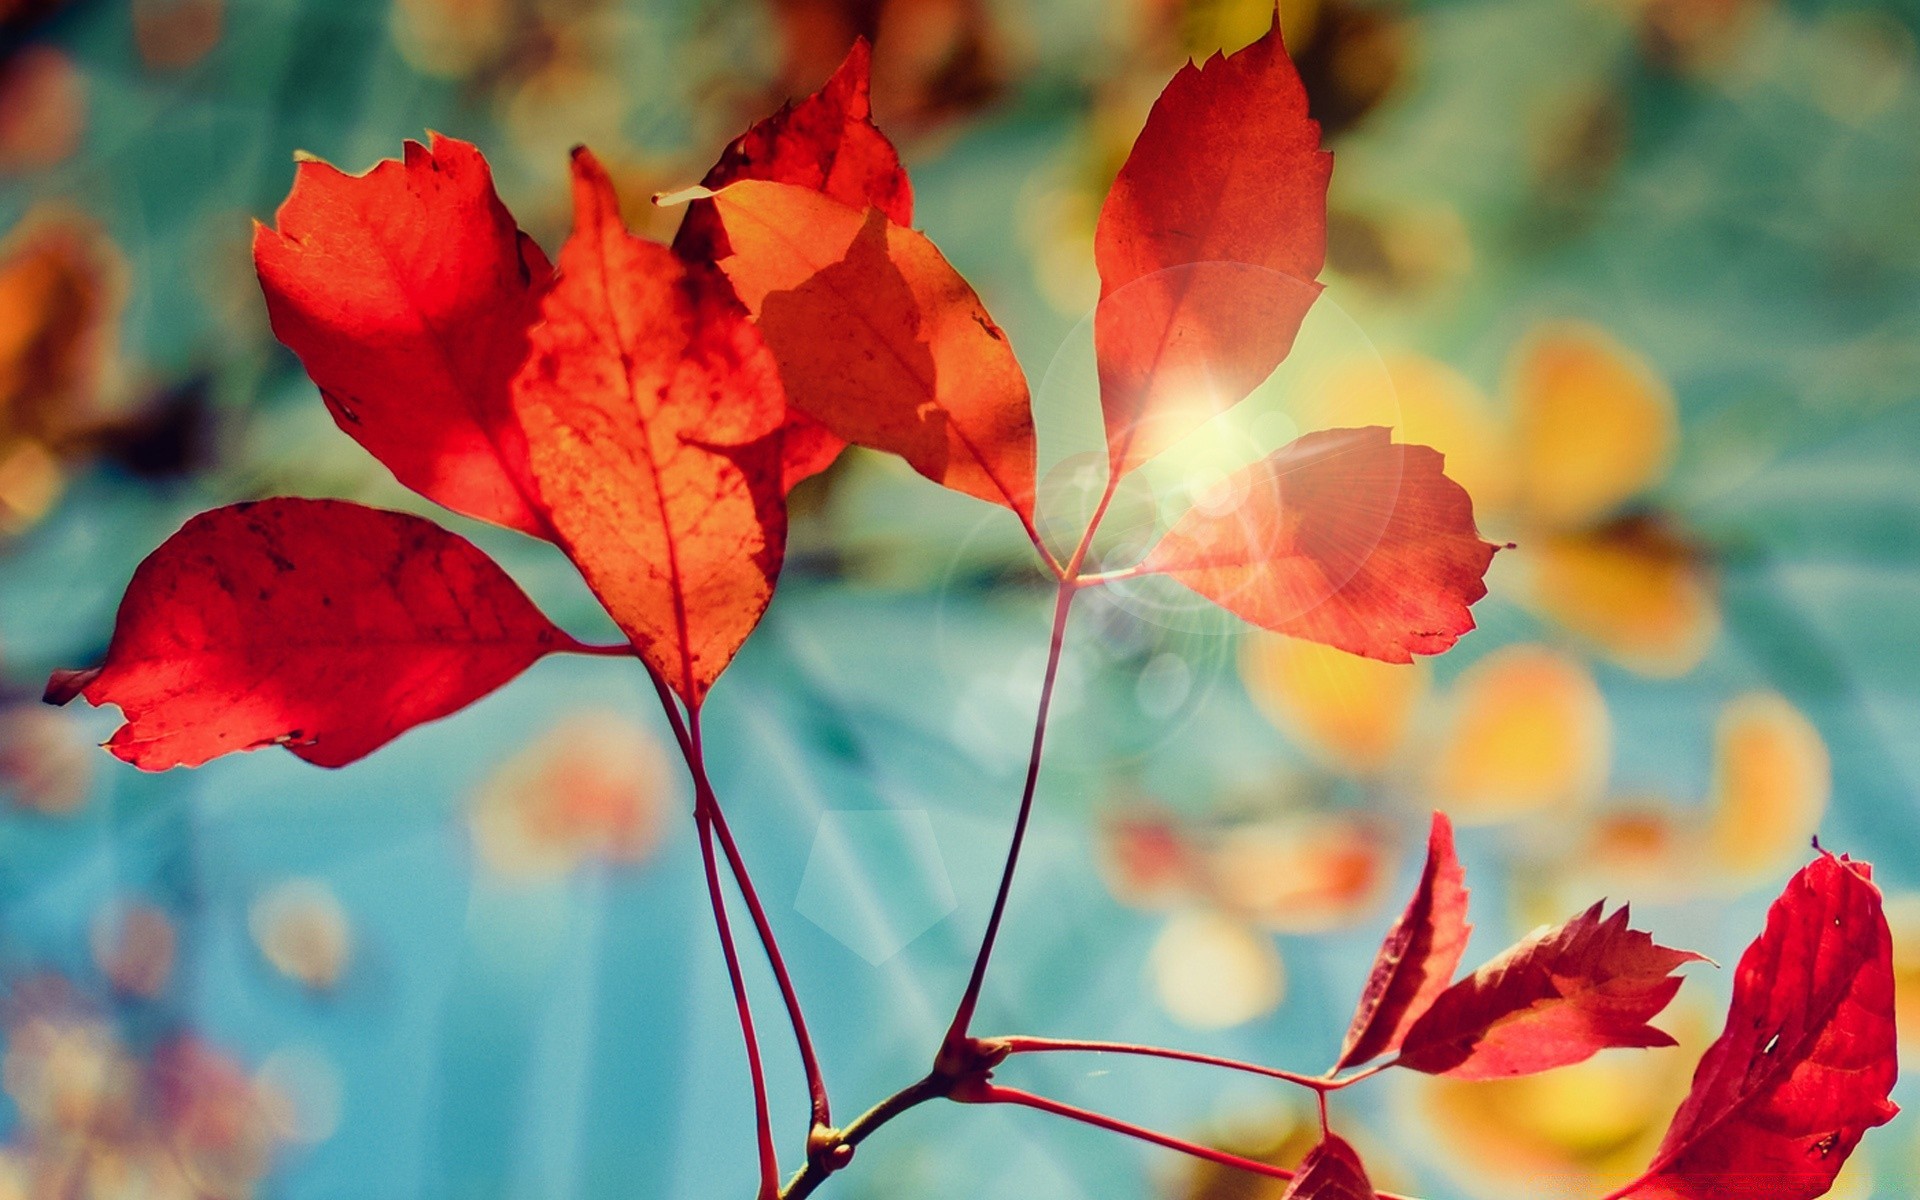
column 880, row 339
column 407, row 292
column 1808, row 1056
column 1417, row 960
column 1555, row 999
column 327, row 627
column 1341, row 537
column 650, row 404
column 1208, row 246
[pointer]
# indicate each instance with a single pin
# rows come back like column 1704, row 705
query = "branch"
column 839, row 1146
column 970, row 999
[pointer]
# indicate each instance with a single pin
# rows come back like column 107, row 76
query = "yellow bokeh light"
column 1529, row 730
column 1213, row 972
column 1595, row 425
column 1772, row 780
column 1352, row 713
column 1634, row 591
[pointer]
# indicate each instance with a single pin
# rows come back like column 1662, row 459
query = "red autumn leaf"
column 1341, row 537
column 649, row 404
column 1330, row 1171
column 1417, row 960
column 827, row 142
column 880, row 338
column 1208, row 247
column 1808, row 1056
column 1553, row 1000
column 407, row 292
column 324, row 626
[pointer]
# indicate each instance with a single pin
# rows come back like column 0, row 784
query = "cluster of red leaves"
column 648, row 407
column 1801, row 1072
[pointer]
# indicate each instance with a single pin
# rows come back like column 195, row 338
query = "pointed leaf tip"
column 1418, row 957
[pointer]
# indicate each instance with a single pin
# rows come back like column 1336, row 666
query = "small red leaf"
column 407, row 292
column 1808, row 1056
column 1330, row 1171
column 827, row 142
column 1208, row 247
column 1417, row 960
column 880, row 339
column 650, row 404
column 1341, row 537
column 1553, row 1000
column 324, row 626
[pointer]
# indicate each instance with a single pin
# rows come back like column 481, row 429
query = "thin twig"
column 970, row 999
column 769, row 1156
column 1319, row 1083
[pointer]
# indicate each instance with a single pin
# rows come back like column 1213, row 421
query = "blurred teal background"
column 479, row 963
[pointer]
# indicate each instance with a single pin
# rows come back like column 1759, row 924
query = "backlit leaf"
column 1808, row 1056
column 880, row 339
column 649, row 402
column 407, row 292
column 827, row 142
column 1555, row 999
column 1208, row 247
column 1341, row 537
column 327, row 627
column 1417, row 960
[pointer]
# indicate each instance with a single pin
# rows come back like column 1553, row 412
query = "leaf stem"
column 686, row 731
column 769, row 1156
column 957, row 1032
column 993, row 1093
column 622, row 650
column 1318, row 1083
column 809, row 1059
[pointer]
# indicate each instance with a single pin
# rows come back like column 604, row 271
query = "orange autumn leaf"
column 1341, row 537
column 880, row 339
column 1208, row 247
column 827, row 142
column 649, row 403
column 323, row 626
column 407, row 292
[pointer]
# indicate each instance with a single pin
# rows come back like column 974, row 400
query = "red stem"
column 970, row 999
column 769, row 1157
column 993, row 1093
column 953, row 1048
column 809, row 1058
column 1319, row 1083
column 686, row 731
